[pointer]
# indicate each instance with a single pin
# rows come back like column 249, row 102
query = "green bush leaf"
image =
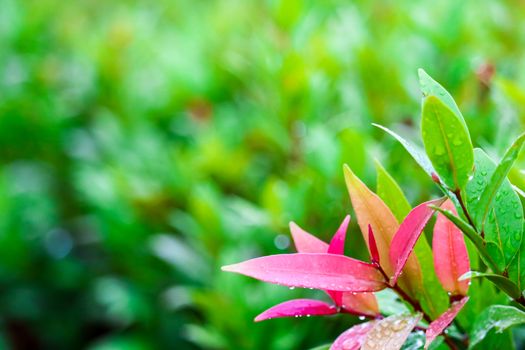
column 504, row 228
column 447, row 143
column 517, row 267
column 496, row 317
column 417, row 153
column 431, row 87
column 502, row 282
column 497, row 179
column 390, row 192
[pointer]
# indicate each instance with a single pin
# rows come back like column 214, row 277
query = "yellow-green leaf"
column 432, row 296
column 371, row 210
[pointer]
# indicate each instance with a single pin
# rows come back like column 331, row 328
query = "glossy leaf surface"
column 337, row 244
column 353, row 338
column 391, row 332
column 431, row 87
column 371, row 210
column 447, row 143
column 498, row 177
column 451, row 258
column 496, row 317
column 438, row 326
column 306, row 242
column 504, row 227
column 407, row 235
column 432, row 297
column 297, row 308
column 319, row 271
column 502, row 282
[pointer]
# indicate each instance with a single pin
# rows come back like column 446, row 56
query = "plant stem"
column 464, row 208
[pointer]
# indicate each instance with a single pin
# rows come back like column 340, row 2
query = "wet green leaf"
column 497, row 317
column 417, row 153
column 501, row 281
column 504, row 228
column 431, row 87
column 491, row 192
column 447, row 143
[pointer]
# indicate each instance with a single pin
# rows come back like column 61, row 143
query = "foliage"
column 145, row 144
column 451, row 166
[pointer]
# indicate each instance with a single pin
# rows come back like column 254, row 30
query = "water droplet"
column 292, row 288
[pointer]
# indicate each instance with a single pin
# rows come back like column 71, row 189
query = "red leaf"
column 320, row 271
column 337, row 244
column 438, row 326
column 297, row 308
column 406, row 236
column 353, row 338
column 374, row 253
column 450, row 254
column 306, row 242
column 360, row 304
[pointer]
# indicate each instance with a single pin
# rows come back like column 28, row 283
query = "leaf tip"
column 230, row 268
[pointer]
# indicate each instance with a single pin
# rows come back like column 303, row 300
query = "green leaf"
column 497, row 317
column 432, row 297
column 501, row 281
column 390, row 192
column 417, row 153
column 504, row 228
column 431, row 87
column 490, row 193
column 517, row 267
column 421, row 159
column 496, row 341
column 322, row 347
column 472, row 235
column 447, row 143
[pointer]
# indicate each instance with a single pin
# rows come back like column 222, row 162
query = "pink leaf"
column 337, row 244
column 438, row 326
column 360, row 304
column 306, row 242
column 297, row 308
column 353, row 338
column 450, row 254
column 320, row 271
column 374, row 253
column 406, row 236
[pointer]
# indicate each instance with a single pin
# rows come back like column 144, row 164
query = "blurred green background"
column 144, row 144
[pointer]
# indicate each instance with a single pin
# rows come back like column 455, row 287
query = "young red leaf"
column 364, row 304
column 451, row 259
column 374, row 254
column 438, row 326
column 371, row 210
column 337, row 244
column 297, row 308
column 406, row 236
column 320, row 271
column 353, row 338
column 358, row 304
column 306, row 242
